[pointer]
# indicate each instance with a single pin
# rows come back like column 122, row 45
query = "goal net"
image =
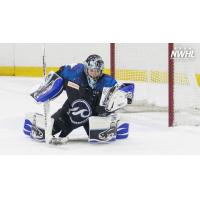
column 165, row 80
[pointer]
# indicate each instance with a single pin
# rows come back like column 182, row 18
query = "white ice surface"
column 149, row 133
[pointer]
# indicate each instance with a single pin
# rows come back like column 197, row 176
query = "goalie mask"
column 94, row 66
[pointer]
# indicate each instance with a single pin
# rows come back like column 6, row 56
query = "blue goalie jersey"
column 77, row 75
column 81, row 95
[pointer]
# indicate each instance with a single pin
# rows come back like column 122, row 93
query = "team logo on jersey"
column 79, row 112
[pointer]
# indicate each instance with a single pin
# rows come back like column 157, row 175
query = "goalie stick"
column 46, row 105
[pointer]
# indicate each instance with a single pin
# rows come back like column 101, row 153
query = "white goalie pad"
column 34, row 126
column 108, row 129
column 103, row 129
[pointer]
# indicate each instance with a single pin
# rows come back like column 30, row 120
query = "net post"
column 170, row 86
column 112, row 59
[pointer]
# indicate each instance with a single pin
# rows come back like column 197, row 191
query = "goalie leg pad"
column 102, row 135
column 34, row 126
column 122, row 130
column 103, row 129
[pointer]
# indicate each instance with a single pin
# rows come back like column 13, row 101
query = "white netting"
column 186, row 87
column 147, row 66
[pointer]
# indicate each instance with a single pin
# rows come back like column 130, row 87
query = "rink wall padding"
column 151, row 76
column 7, row 71
column 198, row 79
column 29, row 71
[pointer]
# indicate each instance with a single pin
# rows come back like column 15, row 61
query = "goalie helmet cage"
column 170, row 84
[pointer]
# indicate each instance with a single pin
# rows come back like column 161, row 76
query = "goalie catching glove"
column 117, row 97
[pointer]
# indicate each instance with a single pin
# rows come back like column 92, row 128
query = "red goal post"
column 170, row 86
